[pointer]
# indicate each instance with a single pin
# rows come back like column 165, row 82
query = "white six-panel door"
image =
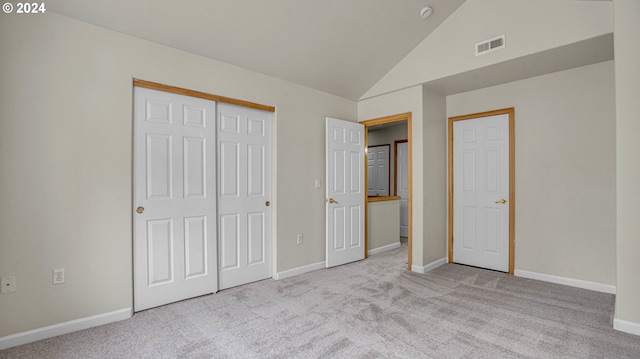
column 174, row 213
column 345, row 192
column 402, row 186
column 378, row 170
column 481, row 192
column 244, row 194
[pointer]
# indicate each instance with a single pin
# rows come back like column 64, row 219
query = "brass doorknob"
column 140, row 209
column 331, row 200
column 503, row 201
column 267, row 203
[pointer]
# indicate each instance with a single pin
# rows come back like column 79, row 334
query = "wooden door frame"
column 512, row 197
column 379, row 121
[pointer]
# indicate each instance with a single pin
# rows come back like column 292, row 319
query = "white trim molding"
column 299, row 270
column 429, row 267
column 626, row 326
column 578, row 283
column 388, row 247
column 63, row 328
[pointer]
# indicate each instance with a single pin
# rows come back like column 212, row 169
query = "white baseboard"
column 626, row 326
column 598, row 287
column 63, row 328
column 388, row 247
column 429, row 267
column 300, row 270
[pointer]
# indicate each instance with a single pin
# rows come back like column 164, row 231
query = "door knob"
column 331, row 200
column 140, row 209
column 503, row 201
column 267, row 203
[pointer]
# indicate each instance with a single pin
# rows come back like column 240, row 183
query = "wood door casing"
column 390, row 119
column 512, row 197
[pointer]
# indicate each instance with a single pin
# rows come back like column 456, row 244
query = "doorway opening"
column 382, row 122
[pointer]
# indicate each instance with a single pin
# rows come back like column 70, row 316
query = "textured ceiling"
column 342, row 47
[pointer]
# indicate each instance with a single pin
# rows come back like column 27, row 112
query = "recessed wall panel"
column 256, row 170
column 229, row 123
column 229, row 169
column 158, row 166
column 492, row 170
column 339, row 219
column 195, row 246
column 158, row 112
column 354, row 137
column 339, row 135
column 160, row 251
column 339, row 159
column 468, row 135
column 355, row 166
column 491, row 229
column 371, row 180
column 194, row 163
column 193, row 116
column 255, row 238
column 354, row 221
column 491, row 133
column 469, row 171
column 229, row 241
column 468, row 227
column 255, row 127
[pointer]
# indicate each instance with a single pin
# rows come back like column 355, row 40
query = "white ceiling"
column 341, row 47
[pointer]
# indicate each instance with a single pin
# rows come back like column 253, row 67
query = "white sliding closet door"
column 244, row 194
column 174, row 212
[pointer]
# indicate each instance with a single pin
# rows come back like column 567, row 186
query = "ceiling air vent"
column 490, row 45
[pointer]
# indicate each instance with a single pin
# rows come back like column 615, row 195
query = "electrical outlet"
column 299, row 238
column 8, row 284
column 58, row 276
column 318, row 184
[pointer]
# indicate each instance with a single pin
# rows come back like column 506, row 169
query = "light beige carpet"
column 369, row 309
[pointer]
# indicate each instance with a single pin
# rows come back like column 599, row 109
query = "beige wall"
column 565, row 169
column 530, row 26
column 407, row 100
column 627, row 53
column 383, row 226
column 66, row 157
column 434, row 173
column 66, row 139
column 428, row 124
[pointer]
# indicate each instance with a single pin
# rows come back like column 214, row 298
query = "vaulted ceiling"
column 342, row 47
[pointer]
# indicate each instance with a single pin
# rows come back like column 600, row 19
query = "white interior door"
column 378, row 170
column 174, row 215
column 244, row 211
column 345, row 191
column 481, row 192
column 402, row 186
